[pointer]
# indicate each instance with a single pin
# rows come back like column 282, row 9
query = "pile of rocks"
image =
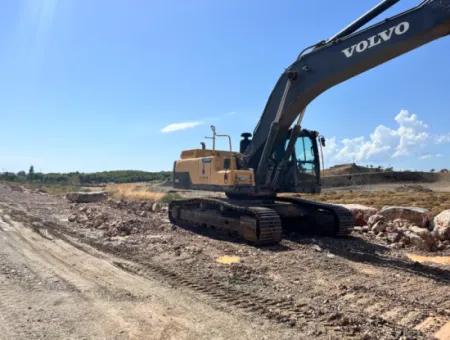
column 404, row 226
column 111, row 224
column 86, row 197
column 139, row 208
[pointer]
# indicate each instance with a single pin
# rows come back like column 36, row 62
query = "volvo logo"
column 377, row 39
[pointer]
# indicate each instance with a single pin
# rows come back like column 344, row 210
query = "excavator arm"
column 331, row 62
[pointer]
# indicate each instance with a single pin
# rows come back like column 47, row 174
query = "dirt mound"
column 139, row 217
column 349, row 169
column 412, row 188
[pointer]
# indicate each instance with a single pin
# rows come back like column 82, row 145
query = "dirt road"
column 50, row 289
column 146, row 279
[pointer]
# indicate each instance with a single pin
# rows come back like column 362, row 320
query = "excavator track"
column 257, row 225
column 342, row 218
column 258, row 221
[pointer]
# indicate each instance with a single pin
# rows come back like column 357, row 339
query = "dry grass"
column 134, row 191
column 433, row 201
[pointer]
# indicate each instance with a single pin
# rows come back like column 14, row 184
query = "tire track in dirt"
column 284, row 312
column 383, row 301
column 101, row 287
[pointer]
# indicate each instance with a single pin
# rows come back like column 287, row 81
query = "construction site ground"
column 133, row 275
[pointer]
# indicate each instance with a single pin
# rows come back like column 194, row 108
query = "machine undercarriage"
column 262, row 221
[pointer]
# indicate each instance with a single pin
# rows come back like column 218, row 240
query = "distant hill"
column 351, row 168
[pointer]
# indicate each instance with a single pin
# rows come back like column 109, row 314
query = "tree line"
column 79, row 178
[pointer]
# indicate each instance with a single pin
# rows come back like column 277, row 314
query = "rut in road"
column 304, row 317
column 49, row 287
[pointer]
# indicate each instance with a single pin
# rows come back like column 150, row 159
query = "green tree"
column 31, row 173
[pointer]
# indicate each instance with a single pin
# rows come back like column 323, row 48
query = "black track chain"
column 343, row 217
column 268, row 222
column 269, row 225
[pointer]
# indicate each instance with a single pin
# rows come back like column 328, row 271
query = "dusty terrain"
column 118, row 269
column 432, row 196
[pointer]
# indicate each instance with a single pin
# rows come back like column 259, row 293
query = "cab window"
column 304, row 150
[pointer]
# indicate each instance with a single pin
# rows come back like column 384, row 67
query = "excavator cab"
column 303, row 168
column 305, row 155
column 308, row 162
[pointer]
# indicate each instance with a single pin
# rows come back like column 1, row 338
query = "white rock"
column 393, row 237
column 374, row 219
column 441, row 225
column 361, row 213
column 379, row 227
column 417, row 241
column 414, row 215
column 424, row 234
column 316, row 247
column 156, row 207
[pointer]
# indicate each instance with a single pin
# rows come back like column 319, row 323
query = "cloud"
column 429, row 156
column 189, row 125
column 180, row 126
column 442, row 139
column 409, row 138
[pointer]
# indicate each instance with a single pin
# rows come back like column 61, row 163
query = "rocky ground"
column 359, row 287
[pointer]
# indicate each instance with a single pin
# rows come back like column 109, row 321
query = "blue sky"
column 98, row 85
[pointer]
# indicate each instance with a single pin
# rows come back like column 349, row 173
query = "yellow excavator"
column 283, row 157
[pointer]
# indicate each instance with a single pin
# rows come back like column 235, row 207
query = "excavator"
column 281, row 156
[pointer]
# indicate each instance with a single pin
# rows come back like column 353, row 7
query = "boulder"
column 424, row 234
column 361, row 213
column 441, row 225
column 393, row 237
column 156, row 207
column 379, row 227
column 86, row 197
column 417, row 241
column 82, row 219
column 417, row 216
column 374, row 219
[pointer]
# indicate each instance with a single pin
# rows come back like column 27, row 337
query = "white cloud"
column 331, row 147
column 429, row 156
column 411, row 133
column 409, row 138
column 442, row 139
column 180, row 126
